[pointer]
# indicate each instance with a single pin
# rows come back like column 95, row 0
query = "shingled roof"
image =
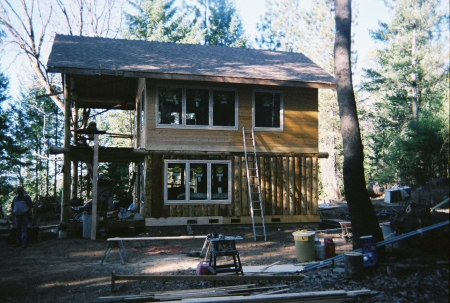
column 134, row 58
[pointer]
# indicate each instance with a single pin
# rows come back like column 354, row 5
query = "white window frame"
column 183, row 124
column 209, row 199
column 281, row 110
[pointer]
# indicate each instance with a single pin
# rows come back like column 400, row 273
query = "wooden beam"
column 65, row 205
column 115, row 278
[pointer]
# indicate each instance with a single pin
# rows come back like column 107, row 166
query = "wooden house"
column 191, row 103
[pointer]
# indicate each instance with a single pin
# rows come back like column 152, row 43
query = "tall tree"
column 288, row 26
column 280, row 27
column 33, row 127
column 28, row 23
column 160, row 20
column 408, row 86
column 362, row 214
column 222, row 24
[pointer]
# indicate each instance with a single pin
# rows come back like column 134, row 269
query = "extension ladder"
column 254, row 185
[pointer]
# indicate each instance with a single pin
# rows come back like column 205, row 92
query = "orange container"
column 330, row 248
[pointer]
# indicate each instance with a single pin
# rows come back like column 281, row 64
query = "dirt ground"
column 69, row 269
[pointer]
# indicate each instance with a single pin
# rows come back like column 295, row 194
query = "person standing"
column 21, row 208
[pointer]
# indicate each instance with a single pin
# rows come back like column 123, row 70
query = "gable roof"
column 135, row 58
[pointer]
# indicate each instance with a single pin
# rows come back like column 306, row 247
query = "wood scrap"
column 115, row 278
column 237, row 290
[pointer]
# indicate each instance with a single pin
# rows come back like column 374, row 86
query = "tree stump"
column 354, row 268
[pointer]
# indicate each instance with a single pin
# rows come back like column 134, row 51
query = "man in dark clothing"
column 21, row 208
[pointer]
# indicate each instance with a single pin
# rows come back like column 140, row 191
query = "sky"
column 370, row 12
column 250, row 11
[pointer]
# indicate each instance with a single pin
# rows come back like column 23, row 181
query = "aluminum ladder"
column 254, row 185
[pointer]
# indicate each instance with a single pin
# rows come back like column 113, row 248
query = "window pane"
column 170, row 106
column 176, row 174
column 197, row 107
column 267, row 109
column 198, row 181
column 224, row 108
column 219, row 181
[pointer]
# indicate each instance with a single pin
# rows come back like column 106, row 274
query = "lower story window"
column 197, row 182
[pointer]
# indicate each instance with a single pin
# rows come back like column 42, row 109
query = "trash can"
column 369, row 251
column 87, row 224
column 304, row 245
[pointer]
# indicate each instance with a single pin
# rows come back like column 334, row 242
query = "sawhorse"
column 122, row 253
column 111, row 244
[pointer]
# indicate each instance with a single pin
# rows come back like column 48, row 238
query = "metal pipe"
column 340, row 257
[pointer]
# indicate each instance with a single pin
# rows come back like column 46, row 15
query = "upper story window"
column 196, row 107
column 268, row 110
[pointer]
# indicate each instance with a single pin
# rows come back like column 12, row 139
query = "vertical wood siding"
column 289, row 187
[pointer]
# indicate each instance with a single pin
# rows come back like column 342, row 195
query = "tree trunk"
column 362, row 213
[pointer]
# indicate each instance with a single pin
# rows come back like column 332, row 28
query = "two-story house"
column 191, row 103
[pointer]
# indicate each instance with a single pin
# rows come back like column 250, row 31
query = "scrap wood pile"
column 239, row 293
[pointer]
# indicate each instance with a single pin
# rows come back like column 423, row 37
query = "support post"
column 94, row 189
column 65, row 204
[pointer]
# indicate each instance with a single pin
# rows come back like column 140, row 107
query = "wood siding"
column 289, row 187
column 300, row 134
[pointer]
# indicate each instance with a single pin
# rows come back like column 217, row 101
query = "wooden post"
column 75, row 163
column 65, row 205
column 94, row 189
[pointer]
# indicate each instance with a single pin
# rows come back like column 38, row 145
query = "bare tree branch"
column 66, row 16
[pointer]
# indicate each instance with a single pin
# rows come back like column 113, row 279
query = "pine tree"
column 287, row 26
column 280, row 26
column 160, row 20
column 408, row 86
column 221, row 23
column 362, row 213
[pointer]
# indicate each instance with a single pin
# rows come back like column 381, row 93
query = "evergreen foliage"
column 223, row 26
column 407, row 102
column 287, row 26
column 35, row 126
column 160, row 20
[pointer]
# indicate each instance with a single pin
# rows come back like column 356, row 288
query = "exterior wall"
column 288, row 170
column 289, row 187
column 300, row 133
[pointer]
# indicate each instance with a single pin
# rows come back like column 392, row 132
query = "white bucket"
column 320, row 251
column 62, row 234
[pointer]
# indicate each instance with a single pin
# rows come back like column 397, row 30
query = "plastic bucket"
column 202, row 268
column 320, row 251
column 304, row 245
column 87, row 223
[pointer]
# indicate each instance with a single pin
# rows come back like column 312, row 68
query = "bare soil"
column 69, row 270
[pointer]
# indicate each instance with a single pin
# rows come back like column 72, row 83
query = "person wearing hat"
column 21, row 208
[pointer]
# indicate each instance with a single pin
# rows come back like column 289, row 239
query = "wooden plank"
column 291, row 187
column 237, row 192
column 279, row 185
column 308, row 186
column 244, row 188
column 209, row 278
column 285, row 174
column 155, row 238
column 304, row 192
column 297, row 189
column 157, row 179
column 268, row 187
column 262, row 181
column 315, row 189
column 176, row 221
column 273, row 178
column 147, row 211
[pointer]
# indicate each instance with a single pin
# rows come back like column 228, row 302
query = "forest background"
column 402, row 95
